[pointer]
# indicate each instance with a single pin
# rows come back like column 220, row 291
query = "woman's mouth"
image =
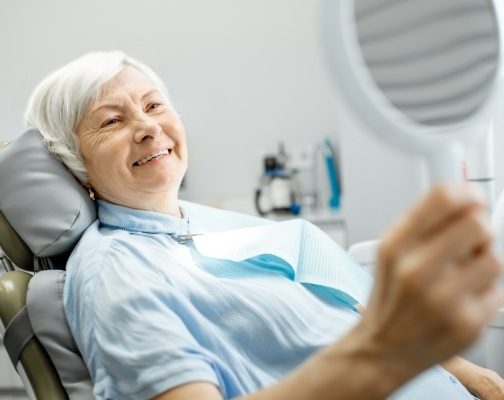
column 154, row 156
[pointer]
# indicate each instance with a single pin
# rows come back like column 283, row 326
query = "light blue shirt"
column 149, row 314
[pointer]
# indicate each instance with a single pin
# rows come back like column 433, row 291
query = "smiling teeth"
column 158, row 154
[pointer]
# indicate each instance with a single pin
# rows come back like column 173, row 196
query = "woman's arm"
column 434, row 292
column 347, row 371
column 481, row 382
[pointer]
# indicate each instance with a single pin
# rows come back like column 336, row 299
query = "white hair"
column 58, row 103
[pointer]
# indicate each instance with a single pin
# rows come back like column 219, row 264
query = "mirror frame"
column 349, row 69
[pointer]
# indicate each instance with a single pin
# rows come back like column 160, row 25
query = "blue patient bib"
column 298, row 250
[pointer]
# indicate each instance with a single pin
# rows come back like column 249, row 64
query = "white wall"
column 244, row 74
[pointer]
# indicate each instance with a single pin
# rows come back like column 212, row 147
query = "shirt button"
column 453, row 379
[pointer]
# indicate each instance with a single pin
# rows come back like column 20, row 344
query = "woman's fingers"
column 436, row 271
column 480, row 272
column 442, row 254
column 461, row 254
column 422, row 223
column 464, row 301
column 476, row 286
column 460, row 240
column 472, row 313
column 433, row 212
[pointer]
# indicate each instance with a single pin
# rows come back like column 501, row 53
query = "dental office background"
column 244, row 74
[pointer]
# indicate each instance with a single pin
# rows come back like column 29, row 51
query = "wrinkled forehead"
column 129, row 81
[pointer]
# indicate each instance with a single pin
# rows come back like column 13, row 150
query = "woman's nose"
column 146, row 128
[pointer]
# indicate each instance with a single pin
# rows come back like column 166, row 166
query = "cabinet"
column 331, row 222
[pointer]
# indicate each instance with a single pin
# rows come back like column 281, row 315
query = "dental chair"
column 43, row 213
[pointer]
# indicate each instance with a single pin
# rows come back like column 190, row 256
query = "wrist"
column 375, row 369
column 354, row 368
column 467, row 373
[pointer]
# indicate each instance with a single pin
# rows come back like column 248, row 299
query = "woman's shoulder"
column 112, row 254
column 100, row 260
column 98, row 246
column 92, row 244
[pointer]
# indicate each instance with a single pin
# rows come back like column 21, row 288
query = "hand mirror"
column 422, row 74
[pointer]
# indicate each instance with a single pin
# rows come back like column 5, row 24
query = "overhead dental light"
column 422, row 74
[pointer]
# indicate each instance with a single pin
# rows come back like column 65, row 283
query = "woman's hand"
column 434, row 288
column 481, row 382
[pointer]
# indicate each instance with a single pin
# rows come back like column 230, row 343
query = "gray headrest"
column 40, row 198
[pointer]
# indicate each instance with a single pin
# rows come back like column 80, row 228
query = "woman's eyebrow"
column 116, row 106
column 150, row 92
column 111, row 106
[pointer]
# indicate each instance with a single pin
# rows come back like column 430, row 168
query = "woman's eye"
column 109, row 122
column 153, row 106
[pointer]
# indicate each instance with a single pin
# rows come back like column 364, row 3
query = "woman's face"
column 133, row 144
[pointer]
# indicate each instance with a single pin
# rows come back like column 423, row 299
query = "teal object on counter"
column 332, row 174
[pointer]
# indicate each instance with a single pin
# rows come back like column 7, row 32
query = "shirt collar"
column 133, row 220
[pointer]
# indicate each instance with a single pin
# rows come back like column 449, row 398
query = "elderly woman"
column 153, row 322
